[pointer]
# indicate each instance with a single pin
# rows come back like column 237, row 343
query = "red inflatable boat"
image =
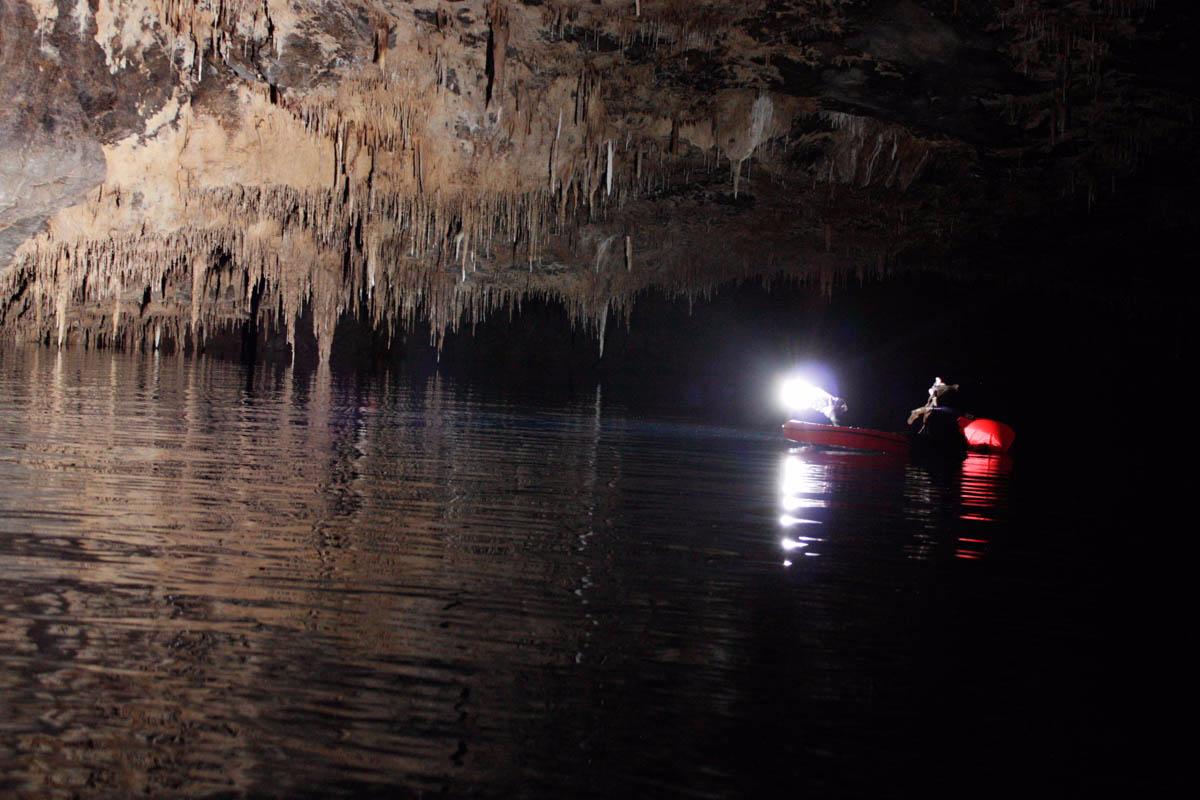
column 845, row 438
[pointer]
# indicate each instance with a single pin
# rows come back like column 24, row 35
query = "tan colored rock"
column 163, row 161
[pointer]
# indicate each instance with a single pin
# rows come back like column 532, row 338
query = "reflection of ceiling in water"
column 202, row 561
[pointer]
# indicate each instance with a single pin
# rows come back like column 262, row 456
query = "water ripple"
column 285, row 583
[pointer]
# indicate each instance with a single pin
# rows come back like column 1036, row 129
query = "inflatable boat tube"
column 843, row 437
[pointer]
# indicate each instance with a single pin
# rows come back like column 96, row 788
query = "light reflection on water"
column 286, row 582
column 814, row 479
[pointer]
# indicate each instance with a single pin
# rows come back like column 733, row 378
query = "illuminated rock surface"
column 171, row 169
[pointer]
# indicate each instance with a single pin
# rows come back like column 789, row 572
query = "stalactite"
column 497, row 48
column 608, row 172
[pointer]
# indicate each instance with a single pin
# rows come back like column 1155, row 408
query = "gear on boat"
column 942, row 428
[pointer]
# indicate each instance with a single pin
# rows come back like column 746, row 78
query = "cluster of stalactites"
column 219, row 29
column 666, row 27
column 269, row 254
column 278, row 251
column 183, row 290
column 392, row 250
column 1063, row 42
column 871, row 153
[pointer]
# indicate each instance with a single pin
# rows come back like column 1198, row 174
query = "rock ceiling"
column 174, row 168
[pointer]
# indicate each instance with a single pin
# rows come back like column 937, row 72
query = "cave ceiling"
column 174, row 168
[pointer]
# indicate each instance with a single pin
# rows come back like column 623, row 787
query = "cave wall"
column 174, row 169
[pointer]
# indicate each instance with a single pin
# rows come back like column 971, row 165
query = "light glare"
column 797, row 394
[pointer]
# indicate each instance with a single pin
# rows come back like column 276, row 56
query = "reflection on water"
column 274, row 581
column 801, row 491
column 985, row 485
column 984, row 488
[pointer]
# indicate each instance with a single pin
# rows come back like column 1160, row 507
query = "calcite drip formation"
column 445, row 161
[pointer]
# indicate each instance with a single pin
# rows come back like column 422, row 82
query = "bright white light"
column 787, row 521
column 797, row 394
column 794, row 479
column 792, row 544
column 793, row 475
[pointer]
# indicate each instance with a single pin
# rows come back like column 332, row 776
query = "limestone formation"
column 174, row 168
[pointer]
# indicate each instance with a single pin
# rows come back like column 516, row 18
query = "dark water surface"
column 277, row 582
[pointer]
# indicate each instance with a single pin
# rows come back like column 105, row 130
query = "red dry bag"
column 987, row 434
